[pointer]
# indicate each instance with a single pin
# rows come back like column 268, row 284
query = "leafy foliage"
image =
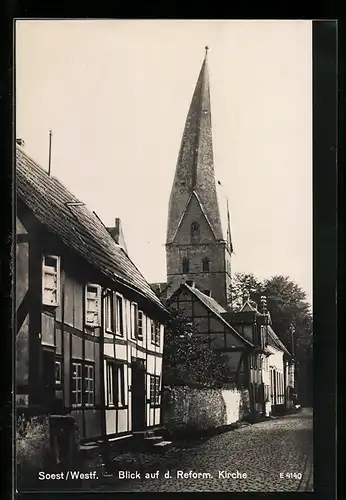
column 187, row 358
column 286, row 302
column 32, row 446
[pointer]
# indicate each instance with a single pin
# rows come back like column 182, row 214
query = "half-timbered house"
column 272, row 374
column 89, row 329
column 257, row 359
column 199, row 256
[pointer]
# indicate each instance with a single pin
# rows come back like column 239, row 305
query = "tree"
column 286, row 302
column 187, row 357
column 290, row 313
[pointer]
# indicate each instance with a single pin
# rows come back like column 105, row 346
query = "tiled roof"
column 195, row 165
column 274, row 340
column 77, row 227
column 216, row 309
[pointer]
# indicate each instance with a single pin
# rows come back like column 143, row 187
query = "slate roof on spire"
column 195, row 165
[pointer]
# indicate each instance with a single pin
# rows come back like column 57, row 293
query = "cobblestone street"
column 274, row 455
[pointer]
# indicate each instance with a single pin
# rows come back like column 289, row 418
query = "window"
column 134, row 320
column 186, row 265
column 110, row 383
column 92, row 305
column 51, row 280
column 154, row 390
column 119, row 314
column 205, row 264
column 120, row 385
column 194, row 232
column 89, row 385
column 58, row 372
column 76, row 392
column 109, row 312
column 140, row 324
column 155, row 332
column 115, row 384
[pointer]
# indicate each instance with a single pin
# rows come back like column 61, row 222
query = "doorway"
column 138, row 394
column 48, row 377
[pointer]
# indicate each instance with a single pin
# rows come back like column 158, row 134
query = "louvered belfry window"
column 51, row 280
column 195, row 232
column 186, row 265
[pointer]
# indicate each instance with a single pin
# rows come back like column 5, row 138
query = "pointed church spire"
column 194, row 174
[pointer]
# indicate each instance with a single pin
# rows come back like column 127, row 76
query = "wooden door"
column 138, row 394
column 48, row 378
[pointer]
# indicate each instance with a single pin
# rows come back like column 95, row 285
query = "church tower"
column 198, row 243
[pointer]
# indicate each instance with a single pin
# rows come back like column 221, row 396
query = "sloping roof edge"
column 205, row 302
column 184, row 213
column 26, row 186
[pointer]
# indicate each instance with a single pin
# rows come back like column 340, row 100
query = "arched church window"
column 205, row 263
column 186, row 265
column 195, row 232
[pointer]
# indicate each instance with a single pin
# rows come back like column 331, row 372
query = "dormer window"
column 186, row 265
column 194, row 232
column 205, row 263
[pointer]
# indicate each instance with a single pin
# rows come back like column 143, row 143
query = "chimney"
column 117, row 233
column 20, row 142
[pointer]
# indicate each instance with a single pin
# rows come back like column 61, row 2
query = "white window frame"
column 120, row 378
column 89, row 381
column 109, row 319
column 47, row 270
column 115, row 373
column 155, row 386
column 58, row 362
column 155, row 331
column 77, row 388
column 110, row 382
column 119, row 317
column 134, row 320
column 97, row 315
column 140, row 322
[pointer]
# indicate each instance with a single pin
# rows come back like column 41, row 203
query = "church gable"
column 194, row 226
column 201, row 310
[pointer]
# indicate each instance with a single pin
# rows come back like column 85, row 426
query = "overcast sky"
column 116, row 95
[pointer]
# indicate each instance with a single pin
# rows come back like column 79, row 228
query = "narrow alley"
column 274, row 455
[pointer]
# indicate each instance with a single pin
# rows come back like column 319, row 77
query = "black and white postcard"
column 164, row 233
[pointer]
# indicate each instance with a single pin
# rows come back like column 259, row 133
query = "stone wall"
column 202, row 409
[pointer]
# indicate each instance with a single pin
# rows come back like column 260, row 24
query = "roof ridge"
column 46, row 197
column 193, row 290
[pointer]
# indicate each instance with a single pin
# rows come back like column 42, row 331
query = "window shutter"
column 92, row 305
column 51, row 280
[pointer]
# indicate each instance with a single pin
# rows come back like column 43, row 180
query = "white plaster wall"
column 109, row 350
column 122, row 420
column 232, row 401
column 276, row 359
column 120, row 351
column 111, row 421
